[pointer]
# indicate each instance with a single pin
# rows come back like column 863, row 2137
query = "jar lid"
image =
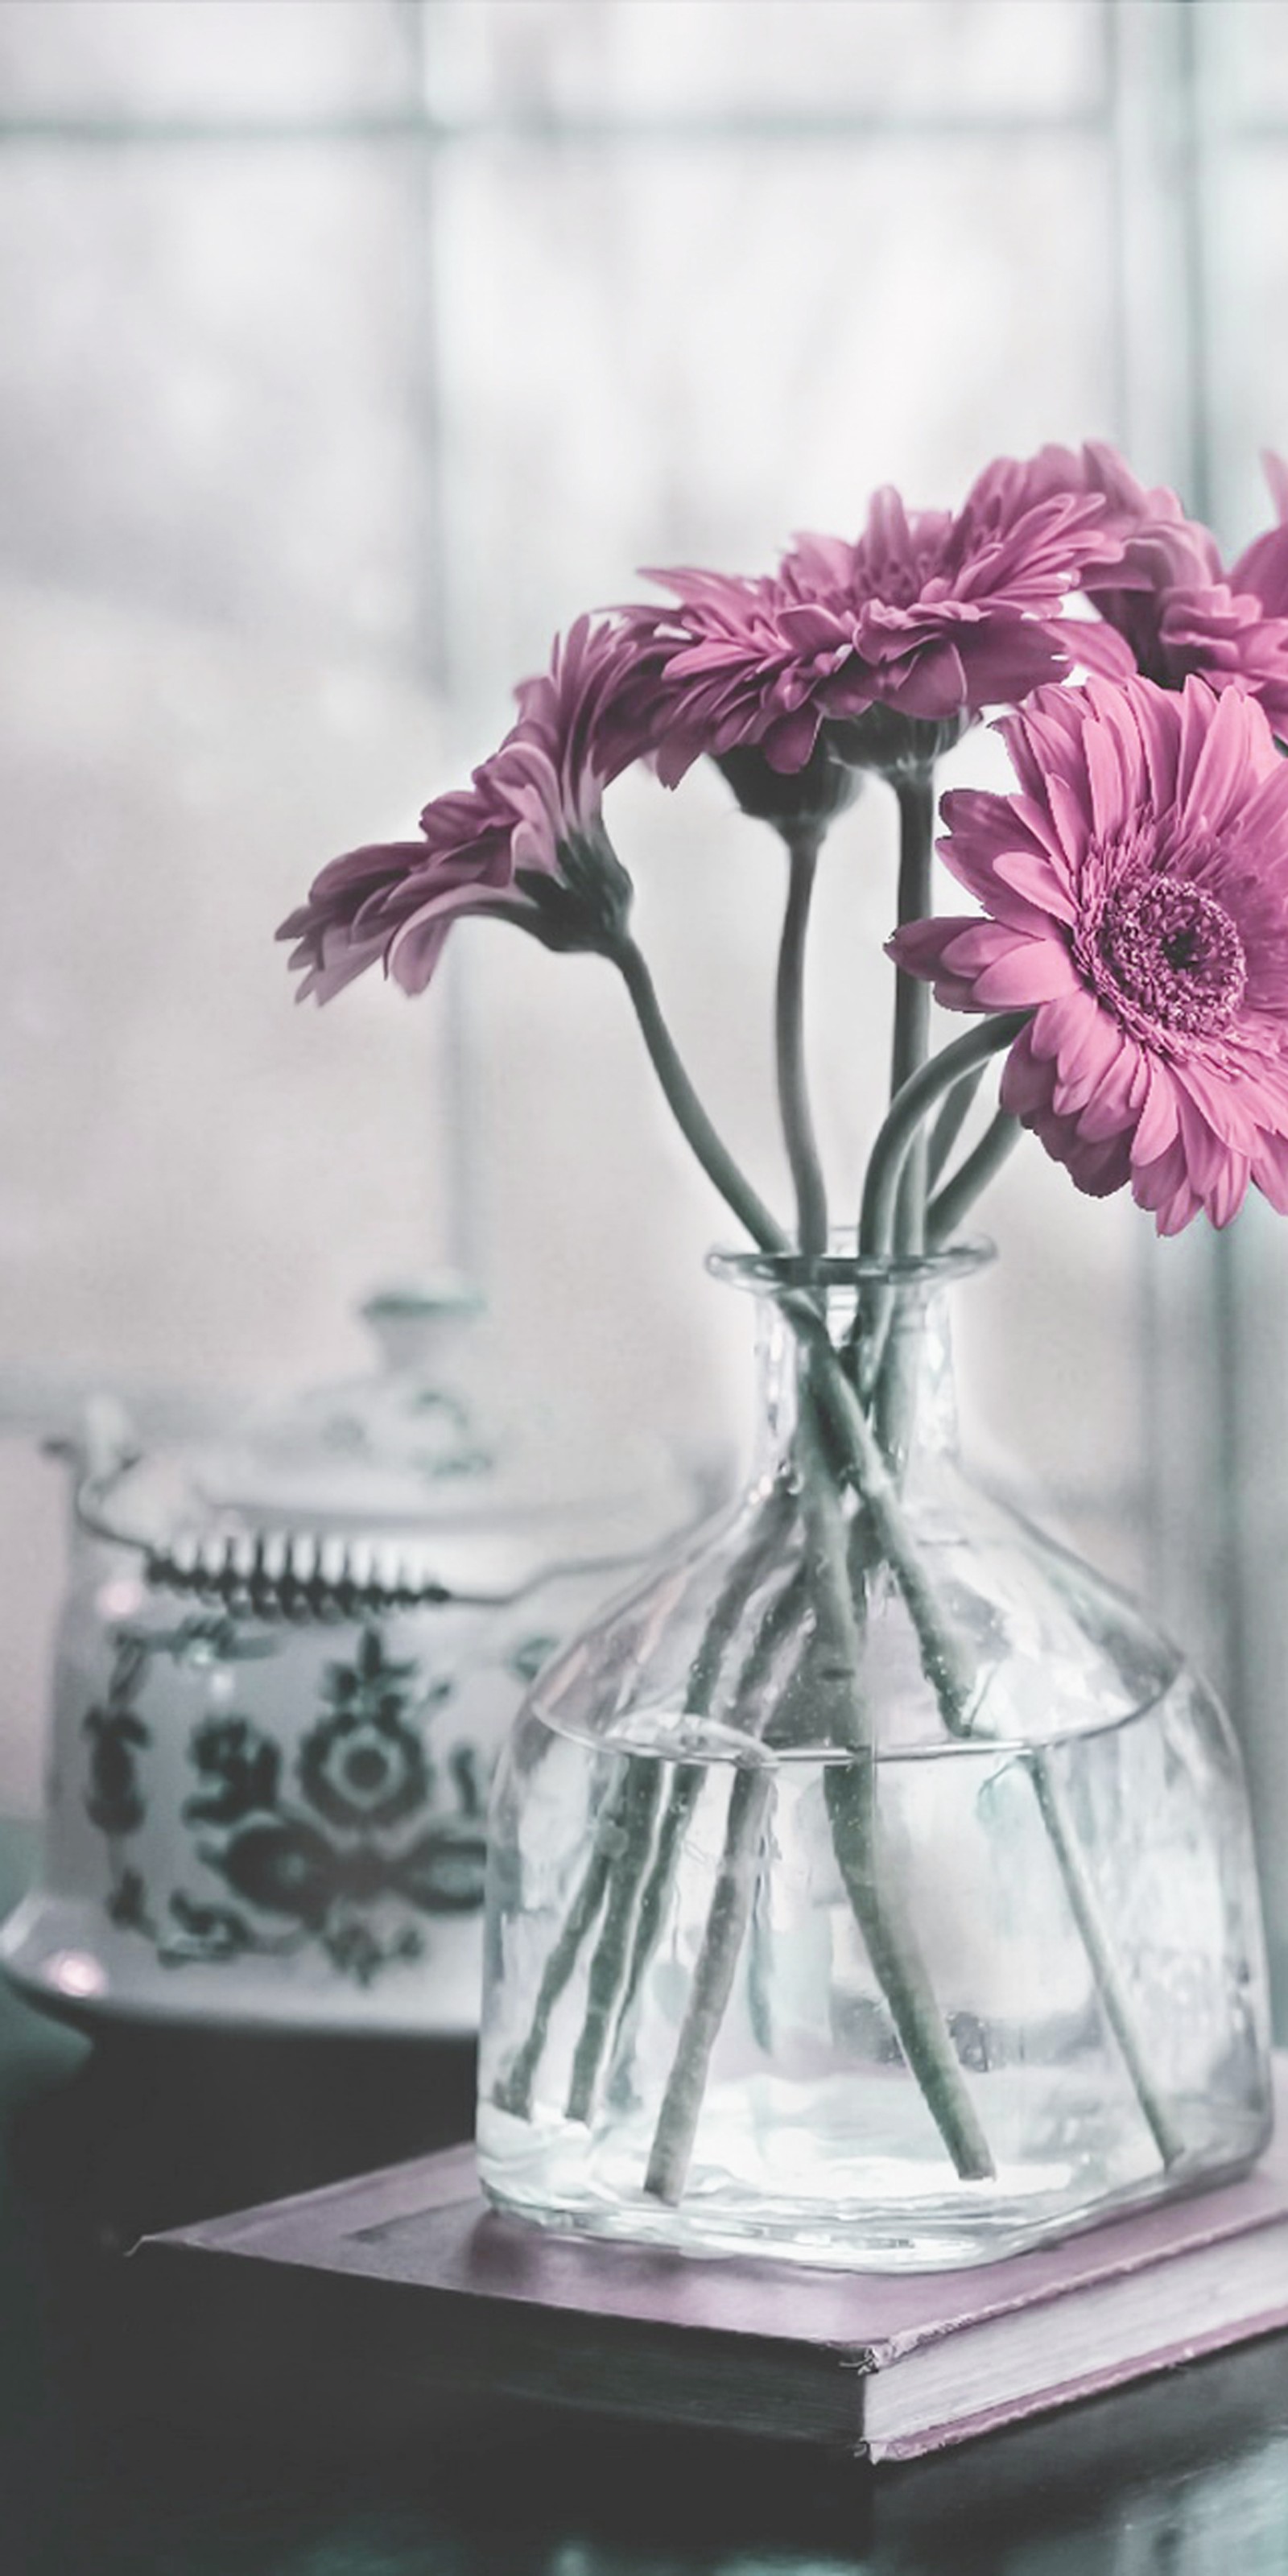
column 387, row 1490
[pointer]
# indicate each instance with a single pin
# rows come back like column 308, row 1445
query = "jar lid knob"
column 410, row 1323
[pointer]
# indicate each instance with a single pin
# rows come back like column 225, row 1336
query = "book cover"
column 406, row 2280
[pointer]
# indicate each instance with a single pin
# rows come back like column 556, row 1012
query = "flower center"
column 1175, row 952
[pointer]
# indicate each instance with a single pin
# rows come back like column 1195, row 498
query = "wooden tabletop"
column 98, row 2146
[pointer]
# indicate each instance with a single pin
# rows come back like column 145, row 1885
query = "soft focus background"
column 348, row 348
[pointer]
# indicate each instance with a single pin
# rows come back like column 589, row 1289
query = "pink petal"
column 1109, row 1111
column 921, row 947
column 1033, row 970
column 1099, row 648
column 1270, row 1171
column 1196, row 710
column 1099, row 1168
column 1084, row 1039
column 1026, row 1079
column 1178, row 1211
column 1206, row 1153
column 1033, row 877
column 1056, row 1024
column 1072, row 817
column 1158, row 1124
column 1219, row 1102
column 1109, row 803
column 1157, row 1180
column 1114, row 709
column 415, row 949
column 1231, row 1189
column 1219, row 772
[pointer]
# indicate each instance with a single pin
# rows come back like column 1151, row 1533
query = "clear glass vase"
column 873, row 1883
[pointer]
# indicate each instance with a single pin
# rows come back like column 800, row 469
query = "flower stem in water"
column 776, row 1628
column 633, row 1906
column 513, row 2092
column 1084, row 1905
column 882, row 1916
column 608, row 1962
column 713, row 1976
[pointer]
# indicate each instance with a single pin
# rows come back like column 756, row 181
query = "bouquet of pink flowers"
column 1134, row 904
column 1127, row 959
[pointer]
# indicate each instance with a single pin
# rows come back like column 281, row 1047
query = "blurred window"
column 350, row 347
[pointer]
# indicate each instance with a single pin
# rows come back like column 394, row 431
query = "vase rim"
column 844, row 1267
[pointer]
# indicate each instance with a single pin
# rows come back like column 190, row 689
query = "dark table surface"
column 1186, row 2477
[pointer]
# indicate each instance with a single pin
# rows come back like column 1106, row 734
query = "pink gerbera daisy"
column 1136, row 893
column 927, row 617
column 1171, row 599
column 524, row 841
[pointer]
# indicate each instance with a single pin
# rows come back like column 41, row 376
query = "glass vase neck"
column 883, row 1320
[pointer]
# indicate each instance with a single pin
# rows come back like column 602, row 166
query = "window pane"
column 149, row 59
column 724, row 58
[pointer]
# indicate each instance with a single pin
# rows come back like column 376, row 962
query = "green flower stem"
column 513, row 2091
column 789, row 1025
column 950, row 1122
column 685, row 1787
column 941, row 1660
column 776, row 1626
column 714, row 1156
column 1085, row 1907
column 894, row 1398
column 719, row 1635
column 950, row 1204
column 712, row 1982
column 608, row 1960
column 618, row 1955
column 915, row 791
column 655, row 1896
column 883, row 1918
column 911, row 1105
column 683, row 1797
column 947, row 1667
column 878, row 1220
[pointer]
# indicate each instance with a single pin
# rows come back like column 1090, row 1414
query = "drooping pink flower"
column 524, row 841
column 1170, row 598
column 1136, row 896
column 929, row 616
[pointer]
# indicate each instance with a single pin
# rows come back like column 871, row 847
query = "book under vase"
column 395, row 2300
